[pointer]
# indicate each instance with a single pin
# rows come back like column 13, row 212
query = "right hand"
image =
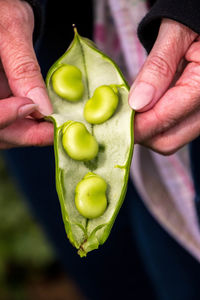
column 166, row 92
column 22, row 89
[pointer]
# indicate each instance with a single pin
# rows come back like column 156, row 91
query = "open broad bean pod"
column 93, row 141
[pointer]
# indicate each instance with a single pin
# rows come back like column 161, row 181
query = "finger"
column 4, row 86
column 28, row 132
column 4, row 146
column 178, row 136
column 13, row 108
column 176, row 104
column 22, row 69
column 160, row 67
column 192, row 54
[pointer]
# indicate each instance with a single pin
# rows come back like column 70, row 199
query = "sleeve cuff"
column 183, row 11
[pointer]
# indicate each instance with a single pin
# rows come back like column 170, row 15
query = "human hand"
column 22, row 89
column 166, row 92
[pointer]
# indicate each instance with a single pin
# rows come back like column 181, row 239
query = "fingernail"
column 141, row 95
column 39, row 96
column 26, row 110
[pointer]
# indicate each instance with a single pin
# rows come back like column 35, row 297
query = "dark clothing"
column 186, row 12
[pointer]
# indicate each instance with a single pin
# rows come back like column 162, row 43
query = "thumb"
column 160, row 67
column 23, row 72
column 15, row 108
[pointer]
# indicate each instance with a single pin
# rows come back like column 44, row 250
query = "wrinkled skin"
column 164, row 122
column 21, row 83
column 169, row 118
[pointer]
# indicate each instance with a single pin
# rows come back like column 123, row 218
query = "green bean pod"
column 89, row 228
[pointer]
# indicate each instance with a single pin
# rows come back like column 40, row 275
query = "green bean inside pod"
column 78, row 142
column 67, row 82
column 108, row 125
column 102, row 105
column 90, row 196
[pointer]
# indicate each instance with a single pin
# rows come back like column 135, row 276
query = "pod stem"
column 75, row 29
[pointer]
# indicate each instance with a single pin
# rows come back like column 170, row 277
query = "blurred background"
column 28, row 267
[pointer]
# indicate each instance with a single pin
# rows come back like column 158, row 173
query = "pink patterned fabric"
column 115, row 32
column 164, row 183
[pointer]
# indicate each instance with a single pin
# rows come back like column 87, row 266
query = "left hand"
column 23, row 96
column 166, row 92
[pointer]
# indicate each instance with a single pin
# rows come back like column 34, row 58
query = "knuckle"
column 25, row 68
column 162, row 122
column 38, row 141
column 34, row 137
column 158, row 65
column 3, row 123
column 167, row 151
column 194, row 79
column 164, row 145
column 15, row 15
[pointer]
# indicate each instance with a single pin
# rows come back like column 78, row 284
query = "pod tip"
column 74, row 27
